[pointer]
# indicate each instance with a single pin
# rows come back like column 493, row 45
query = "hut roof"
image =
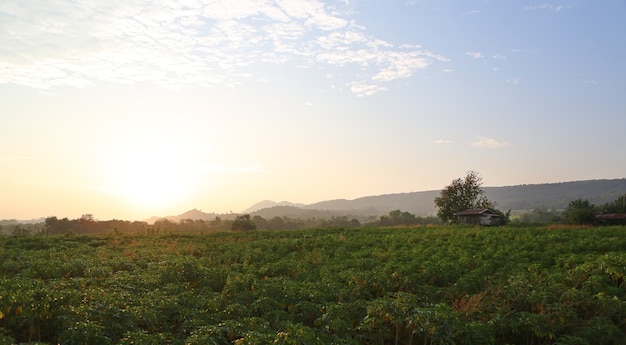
column 476, row 212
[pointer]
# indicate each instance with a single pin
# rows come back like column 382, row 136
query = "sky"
column 127, row 109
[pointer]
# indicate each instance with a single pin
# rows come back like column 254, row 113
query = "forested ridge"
column 418, row 285
column 518, row 198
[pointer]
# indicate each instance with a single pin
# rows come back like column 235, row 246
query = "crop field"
column 422, row 285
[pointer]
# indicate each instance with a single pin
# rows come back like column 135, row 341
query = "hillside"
column 366, row 214
column 194, row 214
column 270, row 204
column 556, row 195
column 516, row 198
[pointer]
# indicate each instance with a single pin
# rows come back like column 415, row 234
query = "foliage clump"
column 464, row 194
column 433, row 285
column 243, row 223
column 580, row 212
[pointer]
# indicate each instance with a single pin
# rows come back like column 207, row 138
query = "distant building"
column 483, row 216
column 611, row 219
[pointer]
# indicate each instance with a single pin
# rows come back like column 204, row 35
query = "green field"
column 424, row 285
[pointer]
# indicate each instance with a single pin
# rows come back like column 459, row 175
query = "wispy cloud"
column 443, row 141
column 190, row 43
column 489, row 143
column 513, row 81
column 475, row 55
column 472, row 12
column 546, row 6
column 589, row 82
column 364, row 89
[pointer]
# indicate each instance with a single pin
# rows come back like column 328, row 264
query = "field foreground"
column 426, row 285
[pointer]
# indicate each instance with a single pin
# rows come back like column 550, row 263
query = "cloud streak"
column 488, row 143
column 190, row 43
column 513, row 81
column 443, row 141
column 475, row 55
column 546, row 6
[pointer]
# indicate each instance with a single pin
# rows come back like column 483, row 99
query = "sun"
column 150, row 173
column 150, row 182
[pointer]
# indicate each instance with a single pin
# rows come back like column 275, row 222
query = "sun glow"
column 151, row 173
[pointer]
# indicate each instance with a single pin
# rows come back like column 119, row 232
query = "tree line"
column 467, row 193
column 579, row 211
column 462, row 194
column 87, row 224
column 584, row 212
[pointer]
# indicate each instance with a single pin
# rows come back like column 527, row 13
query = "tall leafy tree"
column 260, row 222
column 243, row 223
column 617, row 206
column 397, row 217
column 580, row 212
column 460, row 195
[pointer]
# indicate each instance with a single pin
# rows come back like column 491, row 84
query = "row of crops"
column 425, row 285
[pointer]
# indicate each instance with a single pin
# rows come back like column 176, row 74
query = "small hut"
column 611, row 219
column 482, row 216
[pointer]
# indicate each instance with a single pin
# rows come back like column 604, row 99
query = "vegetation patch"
column 422, row 285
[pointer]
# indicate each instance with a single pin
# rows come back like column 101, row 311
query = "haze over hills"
column 191, row 214
column 269, row 203
column 556, row 195
column 516, row 198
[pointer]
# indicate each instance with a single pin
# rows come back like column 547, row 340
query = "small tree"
column 460, row 195
column 243, row 223
column 580, row 212
column 260, row 222
column 397, row 217
column 617, row 206
column 87, row 218
column 19, row 230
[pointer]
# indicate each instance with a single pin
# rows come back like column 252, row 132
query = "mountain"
column 197, row 214
column 517, row 198
column 21, row 221
column 268, row 203
column 194, row 214
column 418, row 203
column 309, row 213
column 556, row 195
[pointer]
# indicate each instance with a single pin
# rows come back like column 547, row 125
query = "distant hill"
column 268, row 204
column 556, row 195
column 516, row 198
column 310, row 213
column 194, row 214
column 418, row 203
column 21, row 221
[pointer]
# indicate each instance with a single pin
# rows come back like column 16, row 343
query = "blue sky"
column 128, row 109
